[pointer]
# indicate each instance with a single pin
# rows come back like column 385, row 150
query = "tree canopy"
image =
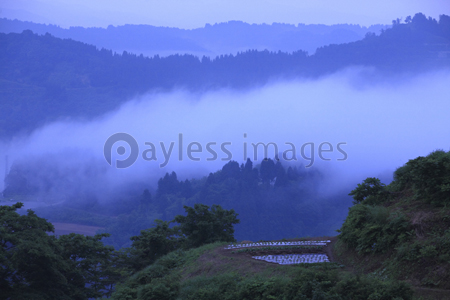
column 36, row 265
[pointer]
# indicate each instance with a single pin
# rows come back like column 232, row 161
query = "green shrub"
column 365, row 288
column 156, row 281
column 428, row 176
column 222, row 286
column 163, row 280
column 166, row 288
column 428, row 251
column 373, row 229
column 408, row 252
column 312, row 284
column 370, row 189
column 260, row 289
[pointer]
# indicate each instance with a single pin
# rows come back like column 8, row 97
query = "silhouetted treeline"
column 273, row 201
column 44, row 78
column 211, row 40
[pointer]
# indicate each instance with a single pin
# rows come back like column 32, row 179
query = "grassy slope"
column 211, row 272
column 429, row 274
column 402, row 230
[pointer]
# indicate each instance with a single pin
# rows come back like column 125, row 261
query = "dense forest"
column 272, row 201
column 38, row 265
column 44, row 78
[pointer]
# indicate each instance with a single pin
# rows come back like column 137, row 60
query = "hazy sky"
column 196, row 13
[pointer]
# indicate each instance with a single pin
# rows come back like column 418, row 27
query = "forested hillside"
column 402, row 230
column 211, row 40
column 44, row 78
column 273, row 201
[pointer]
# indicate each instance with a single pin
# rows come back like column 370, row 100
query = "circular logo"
column 124, row 137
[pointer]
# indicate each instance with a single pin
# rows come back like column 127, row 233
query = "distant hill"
column 44, row 78
column 211, row 40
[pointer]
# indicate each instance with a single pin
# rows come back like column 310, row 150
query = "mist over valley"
column 158, row 140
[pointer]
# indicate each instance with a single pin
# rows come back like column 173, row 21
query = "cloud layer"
column 380, row 123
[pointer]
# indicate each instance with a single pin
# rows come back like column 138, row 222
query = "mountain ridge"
column 211, row 40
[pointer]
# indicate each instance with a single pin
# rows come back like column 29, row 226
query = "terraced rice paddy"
column 289, row 259
column 265, row 244
column 278, row 248
column 278, row 252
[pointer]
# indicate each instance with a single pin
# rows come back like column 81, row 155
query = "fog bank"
column 378, row 124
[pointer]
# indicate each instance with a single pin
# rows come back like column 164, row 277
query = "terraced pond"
column 288, row 259
column 265, row 244
column 284, row 253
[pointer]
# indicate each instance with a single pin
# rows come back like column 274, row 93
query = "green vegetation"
column 35, row 265
column 374, row 229
column 402, row 230
column 395, row 236
column 370, row 187
column 202, row 225
column 427, row 177
column 270, row 199
column 175, row 276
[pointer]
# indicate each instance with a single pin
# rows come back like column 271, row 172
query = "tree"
column 30, row 266
column 267, row 170
column 89, row 261
column 429, row 177
column 248, row 166
column 153, row 243
column 282, row 178
column 169, row 184
column 370, row 187
column 146, row 198
column 186, row 190
column 36, row 265
column 250, row 176
column 231, row 170
column 203, row 225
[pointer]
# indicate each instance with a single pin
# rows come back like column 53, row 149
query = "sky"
column 196, row 13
